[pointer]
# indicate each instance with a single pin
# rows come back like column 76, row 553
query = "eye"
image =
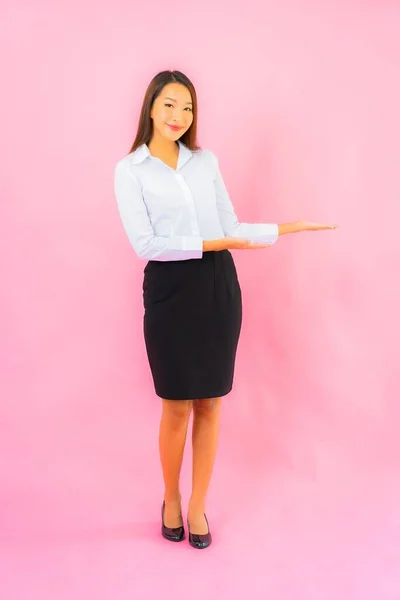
column 168, row 105
column 188, row 108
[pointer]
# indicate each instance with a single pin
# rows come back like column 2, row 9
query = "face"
column 172, row 111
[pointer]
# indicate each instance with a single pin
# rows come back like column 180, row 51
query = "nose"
column 179, row 116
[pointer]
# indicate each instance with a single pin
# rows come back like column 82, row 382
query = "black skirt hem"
column 198, row 397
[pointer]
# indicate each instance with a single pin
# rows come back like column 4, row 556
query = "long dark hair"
column 145, row 127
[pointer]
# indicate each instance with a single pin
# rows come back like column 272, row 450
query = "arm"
column 262, row 233
column 254, row 233
column 294, row 227
column 137, row 225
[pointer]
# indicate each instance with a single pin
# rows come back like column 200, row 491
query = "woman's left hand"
column 311, row 226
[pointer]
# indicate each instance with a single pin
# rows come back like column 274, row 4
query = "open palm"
column 311, row 226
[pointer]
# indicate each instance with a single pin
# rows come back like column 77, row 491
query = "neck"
column 161, row 145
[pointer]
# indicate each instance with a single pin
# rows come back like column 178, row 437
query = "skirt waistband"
column 211, row 255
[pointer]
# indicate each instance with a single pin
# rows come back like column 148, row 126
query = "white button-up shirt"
column 167, row 213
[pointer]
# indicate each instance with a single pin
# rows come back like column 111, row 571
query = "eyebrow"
column 173, row 100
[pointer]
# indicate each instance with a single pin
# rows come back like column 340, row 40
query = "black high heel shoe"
column 175, row 534
column 200, row 541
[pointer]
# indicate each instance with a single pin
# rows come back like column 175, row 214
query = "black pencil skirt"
column 192, row 323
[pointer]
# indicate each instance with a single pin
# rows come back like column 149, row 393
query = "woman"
column 178, row 216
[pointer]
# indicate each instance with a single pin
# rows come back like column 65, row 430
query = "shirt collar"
column 143, row 152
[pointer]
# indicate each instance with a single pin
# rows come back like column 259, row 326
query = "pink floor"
column 319, row 520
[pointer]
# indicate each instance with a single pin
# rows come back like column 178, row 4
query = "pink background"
column 300, row 100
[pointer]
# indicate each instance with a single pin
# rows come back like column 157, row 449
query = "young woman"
column 179, row 217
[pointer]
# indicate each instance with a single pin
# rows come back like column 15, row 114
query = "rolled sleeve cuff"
column 262, row 233
column 271, row 233
column 184, row 248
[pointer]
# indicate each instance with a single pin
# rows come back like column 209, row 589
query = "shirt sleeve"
column 138, row 227
column 264, row 233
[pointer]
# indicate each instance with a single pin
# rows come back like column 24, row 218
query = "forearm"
column 294, row 227
column 213, row 245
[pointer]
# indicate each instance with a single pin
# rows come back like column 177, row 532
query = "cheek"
column 162, row 116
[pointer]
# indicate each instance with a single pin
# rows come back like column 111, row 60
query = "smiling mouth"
column 175, row 127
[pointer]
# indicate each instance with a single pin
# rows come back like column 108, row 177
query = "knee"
column 207, row 407
column 177, row 411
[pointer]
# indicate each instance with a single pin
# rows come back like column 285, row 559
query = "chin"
column 174, row 135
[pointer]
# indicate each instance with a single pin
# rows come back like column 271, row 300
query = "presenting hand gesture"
column 311, row 226
column 232, row 243
column 298, row 226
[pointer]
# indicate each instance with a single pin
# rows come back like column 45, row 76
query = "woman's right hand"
column 230, row 243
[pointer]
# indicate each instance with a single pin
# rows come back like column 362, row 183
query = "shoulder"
column 207, row 157
column 205, row 154
column 125, row 168
column 124, row 164
column 126, row 174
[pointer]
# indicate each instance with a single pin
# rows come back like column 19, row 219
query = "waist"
column 211, row 255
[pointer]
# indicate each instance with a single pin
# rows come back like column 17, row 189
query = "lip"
column 175, row 127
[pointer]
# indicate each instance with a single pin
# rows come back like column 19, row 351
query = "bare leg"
column 206, row 420
column 172, row 438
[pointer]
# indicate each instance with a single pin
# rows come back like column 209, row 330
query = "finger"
column 320, row 227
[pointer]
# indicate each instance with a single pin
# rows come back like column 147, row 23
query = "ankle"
column 172, row 497
column 197, row 506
